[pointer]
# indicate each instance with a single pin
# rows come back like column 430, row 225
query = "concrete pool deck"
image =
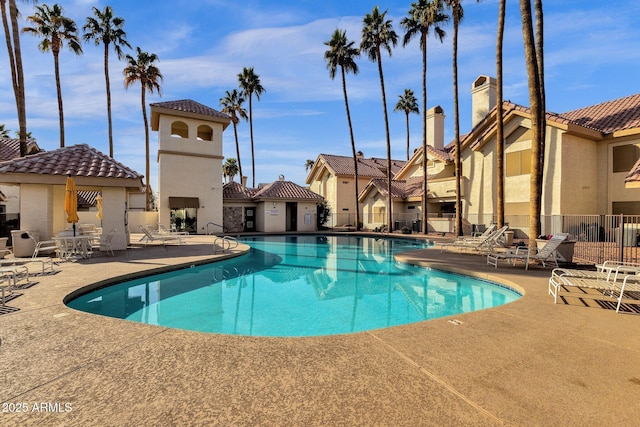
column 526, row 363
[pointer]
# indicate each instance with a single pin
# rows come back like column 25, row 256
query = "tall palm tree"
column 308, row 165
column 230, row 168
column 500, row 116
column 542, row 123
column 423, row 16
column 142, row 69
column 408, row 103
column 533, row 81
column 250, row 84
column 55, row 29
column 106, row 29
column 232, row 105
column 457, row 13
column 378, row 33
column 12, row 37
column 341, row 54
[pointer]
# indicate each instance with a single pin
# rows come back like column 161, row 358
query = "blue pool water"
column 298, row 286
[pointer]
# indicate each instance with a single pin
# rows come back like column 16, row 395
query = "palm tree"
column 542, row 122
column 308, row 165
column 457, row 13
column 28, row 136
column 499, row 116
column 4, row 132
column 423, row 16
column 232, row 105
column 378, row 33
column 230, row 168
column 408, row 103
column 55, row 29
column 250, row 84
column 342, row 54
column 142, row 69
column 106, row 29
column 12, row 37
column 533, row 81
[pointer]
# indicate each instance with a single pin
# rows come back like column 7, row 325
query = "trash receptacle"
column 23, row 244
column 508, row 238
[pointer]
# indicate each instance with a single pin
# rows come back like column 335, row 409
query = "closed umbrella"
column 71, row 203
column 99, row 203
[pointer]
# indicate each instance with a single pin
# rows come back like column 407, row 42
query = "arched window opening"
column 179, row 129
column 205, row 133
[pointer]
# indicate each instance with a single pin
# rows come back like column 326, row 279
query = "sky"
column 592, row 55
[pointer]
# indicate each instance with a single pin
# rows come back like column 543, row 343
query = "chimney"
column 483, row 98
column 244, row 182
column 435, row 127
column 360, row 155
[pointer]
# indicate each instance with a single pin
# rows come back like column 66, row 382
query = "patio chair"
column 487, row 243
column 150, row 236
column 548, row 253
column 165, row 231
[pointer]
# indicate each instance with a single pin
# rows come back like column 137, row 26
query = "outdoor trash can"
column 508, row 238
column 23, row 245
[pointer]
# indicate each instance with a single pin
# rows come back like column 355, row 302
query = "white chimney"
column 435, row 127
column 483, row 98
column 244, row 182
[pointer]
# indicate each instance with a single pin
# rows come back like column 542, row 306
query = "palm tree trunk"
column 353, row 146
column 534, row 97
column 235, row 133
column 146, row 146
column 542, row 123
column 499, row 117
column 56, row 66
column 386, row 129
column 253, row 159
column 408, row 143
column 456, row 121
column 425, row 225
column 108, row 85
column 15, row 62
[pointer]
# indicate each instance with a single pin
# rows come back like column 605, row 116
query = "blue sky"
column 592, row 55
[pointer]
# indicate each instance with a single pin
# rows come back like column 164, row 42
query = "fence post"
column 621, row 242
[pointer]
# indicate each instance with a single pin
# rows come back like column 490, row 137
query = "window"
column 179, row 129
column 624, row 157
column 205, row 133
column 518, row 163
column 380, row 214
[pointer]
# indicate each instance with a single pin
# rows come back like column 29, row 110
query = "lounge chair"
column 486, row 243
column 548, row 253
column 45, row 262
column 165, row 231
column 150, row 236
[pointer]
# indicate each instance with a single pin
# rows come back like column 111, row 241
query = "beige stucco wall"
column 271, row 216
column 576, row 173
column 188, row 167
column 304, row 209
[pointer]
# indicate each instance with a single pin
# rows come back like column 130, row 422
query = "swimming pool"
column 306, row 285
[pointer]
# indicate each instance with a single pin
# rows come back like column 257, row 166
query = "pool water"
column 298, row 286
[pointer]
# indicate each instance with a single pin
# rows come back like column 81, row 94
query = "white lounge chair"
column 482, row 244
column 150, row 236
column 548, row 253
column 165, row 231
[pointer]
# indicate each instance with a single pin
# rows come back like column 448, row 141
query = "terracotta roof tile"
column 608, row 117
column 10, row 148
column 371, row 168
column 400, row 189
column 190, row 106
column 286, row 190
column 76, row 160
column 634, row 173
column 235, row 190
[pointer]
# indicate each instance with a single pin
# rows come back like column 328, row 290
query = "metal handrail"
column 226, row 243
column 224, row 230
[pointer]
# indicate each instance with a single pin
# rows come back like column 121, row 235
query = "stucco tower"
column 189, row 165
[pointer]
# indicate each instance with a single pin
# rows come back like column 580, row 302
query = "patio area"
column 526, row 363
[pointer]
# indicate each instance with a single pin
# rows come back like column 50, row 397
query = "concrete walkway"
column 528, row 363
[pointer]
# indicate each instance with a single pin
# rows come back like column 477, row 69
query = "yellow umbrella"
column 71, row 203
column 99, row 203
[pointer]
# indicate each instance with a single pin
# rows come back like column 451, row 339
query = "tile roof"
column 400, row 189
column 286, row 190
column 10, row 148
column 634, row 174
column 190, row 106
column 76, row 160
column 608, row 117
column 373, row 167
column 235, row 190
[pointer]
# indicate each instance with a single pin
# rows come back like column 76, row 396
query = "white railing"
column 225, row 244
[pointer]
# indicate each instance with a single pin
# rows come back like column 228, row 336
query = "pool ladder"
column 224, row 244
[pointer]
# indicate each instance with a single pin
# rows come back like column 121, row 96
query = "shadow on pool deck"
column 526, row 363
